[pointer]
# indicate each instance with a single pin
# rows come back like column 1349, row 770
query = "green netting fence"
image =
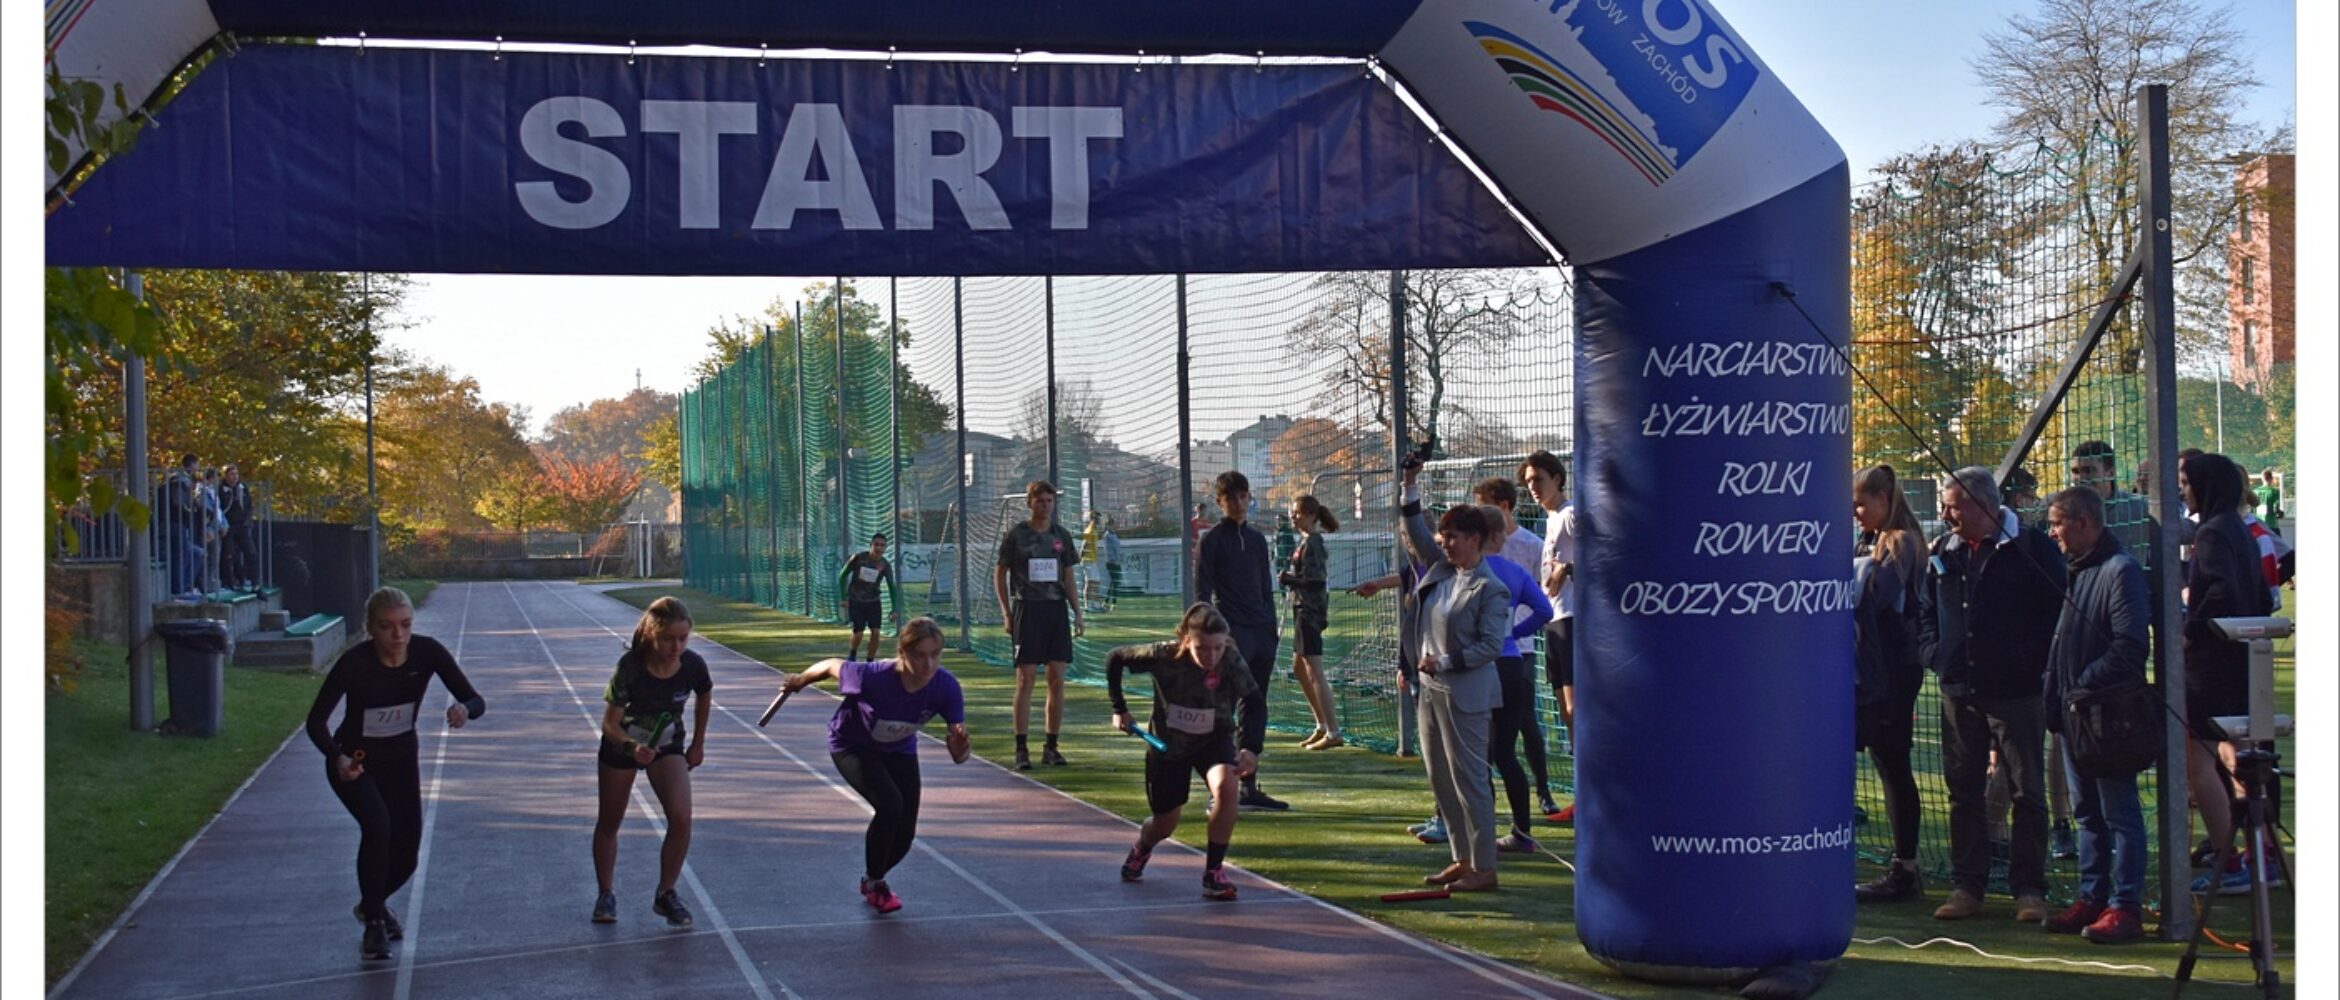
column 921, row 406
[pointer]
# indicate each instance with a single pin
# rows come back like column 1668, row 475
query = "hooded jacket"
column 2101, row 638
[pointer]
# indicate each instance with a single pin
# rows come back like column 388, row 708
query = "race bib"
column 1199, row 721
column 869, row 574
column 1041, row 570
column 639, row 731
column 389, row 720
column 892, row 730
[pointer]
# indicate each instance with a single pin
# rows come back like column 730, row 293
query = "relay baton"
column 1151, row 739
column 1414, row 895
column 774, row 708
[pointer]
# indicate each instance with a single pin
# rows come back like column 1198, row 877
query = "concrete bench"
column 312, row 625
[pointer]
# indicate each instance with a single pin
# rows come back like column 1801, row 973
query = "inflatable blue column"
column 1694, row 195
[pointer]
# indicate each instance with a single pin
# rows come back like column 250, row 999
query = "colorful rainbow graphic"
column 1554, row 88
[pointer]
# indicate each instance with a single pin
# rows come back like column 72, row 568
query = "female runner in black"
column 371, row 758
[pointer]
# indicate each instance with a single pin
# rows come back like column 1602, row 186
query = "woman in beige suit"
column 1460, row 613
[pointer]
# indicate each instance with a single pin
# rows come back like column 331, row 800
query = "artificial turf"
column 1343, row 841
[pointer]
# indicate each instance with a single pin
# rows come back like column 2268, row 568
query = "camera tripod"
column 2255, row 767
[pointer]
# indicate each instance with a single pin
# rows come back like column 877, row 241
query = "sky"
column 1883, row 77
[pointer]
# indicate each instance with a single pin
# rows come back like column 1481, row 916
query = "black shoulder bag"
column 2114, row 731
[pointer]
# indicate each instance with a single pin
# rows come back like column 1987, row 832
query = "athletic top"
column 1524, row 548
column 383, row 702
column 1089, row 542
column 650, row 701
column 861, row 576
column 878, row 715
column 1037, row 561
column 1530, row 610
column 1308, row 576
column 1191, row 705
column 1559, row 549
column 1231, row 573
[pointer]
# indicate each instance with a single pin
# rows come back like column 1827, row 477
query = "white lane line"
column 747, row 966
column 1504, row 975
column 813, row 925
column 854, row 797
column 1154, row 982
column 422, row 866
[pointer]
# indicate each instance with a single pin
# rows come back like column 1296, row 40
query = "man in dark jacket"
column 1987, row 613
column 2100, row 641
column 239, row 558
column 1231, row 573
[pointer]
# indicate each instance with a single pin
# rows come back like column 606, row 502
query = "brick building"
column 2259, row 270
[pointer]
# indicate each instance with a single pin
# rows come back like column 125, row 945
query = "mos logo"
column 1657, row 80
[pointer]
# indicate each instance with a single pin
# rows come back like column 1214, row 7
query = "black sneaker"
column 1253, row 798
column 1050, row 757
column 670, row 906
column 605, row 908
column 375, row 946
column 390, row 924
column 1023, row 759
column 1544, row 802
column 1897, row 883
column 1133, row 867
column 1216, row 886
column 2061, row 846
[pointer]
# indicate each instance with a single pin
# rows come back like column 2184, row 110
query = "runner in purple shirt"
column 873, row 739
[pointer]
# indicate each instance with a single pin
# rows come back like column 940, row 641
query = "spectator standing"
column 239, row 557
column 2223, row 580
column 1232, row 574
column 1547, row 481
column 2269, row 497
column 1888, row 563
column 2101, row 640
column 182, row 551
column 1112, row 547
column 1525, row 549
column 1091, row 531
column 1987, row 614
column 1462, row 613
column 213, row 525
column 1036, row 558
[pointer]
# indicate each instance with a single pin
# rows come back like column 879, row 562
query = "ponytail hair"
column 1309, row 506
column 1902, row 537
column 661, row 613
column 1202, row 619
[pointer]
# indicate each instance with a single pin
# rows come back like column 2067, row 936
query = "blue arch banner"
column 461, row 161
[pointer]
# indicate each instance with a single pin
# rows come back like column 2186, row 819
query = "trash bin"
column 196, row 651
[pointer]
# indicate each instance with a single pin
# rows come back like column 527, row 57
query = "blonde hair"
column 915, row 631
column 386, row 599
column 661, row 613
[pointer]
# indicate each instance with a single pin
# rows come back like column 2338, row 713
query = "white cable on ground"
column 2037, row 961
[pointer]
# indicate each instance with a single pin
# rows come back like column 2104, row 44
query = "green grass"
column 1343, row 843
column 417, row 589
column 120, row 802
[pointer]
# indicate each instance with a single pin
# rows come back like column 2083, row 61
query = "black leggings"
column 1901, row 795
column 1516, row 715
column 889, row 781
column 1532, row 734
column 386, row 801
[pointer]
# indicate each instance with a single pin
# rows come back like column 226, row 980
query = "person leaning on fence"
column 1888, row 562
column 239, row 559
column 1036, row 558
column 2100, row 642
column 1462, row 613
column 2223, row 580
column 1986, row 615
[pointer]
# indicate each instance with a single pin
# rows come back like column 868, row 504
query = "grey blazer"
column 1474, row 634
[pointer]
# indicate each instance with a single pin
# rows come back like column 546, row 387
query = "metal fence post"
column 1048, row 306
column 137, row 557
column 959, row 408
column 2160, row 311
column 1186, row 539
column 1399, row 446
column 771, row 462
column 894, row 417
column 844, row 437
column 803, row 481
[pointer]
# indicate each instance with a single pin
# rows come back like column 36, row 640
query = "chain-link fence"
column 1975, row 279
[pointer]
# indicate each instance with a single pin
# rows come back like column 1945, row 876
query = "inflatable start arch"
column 1643, row 138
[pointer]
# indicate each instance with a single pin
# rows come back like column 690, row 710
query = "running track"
column 1010, row 892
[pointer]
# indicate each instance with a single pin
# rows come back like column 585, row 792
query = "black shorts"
column 614, row 755
column 1307, row 635
column 2213, row 689
column 869, row 615
column 1169, row 780
column 1560, row 653
column 1043, row 632
column 1890, row 725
